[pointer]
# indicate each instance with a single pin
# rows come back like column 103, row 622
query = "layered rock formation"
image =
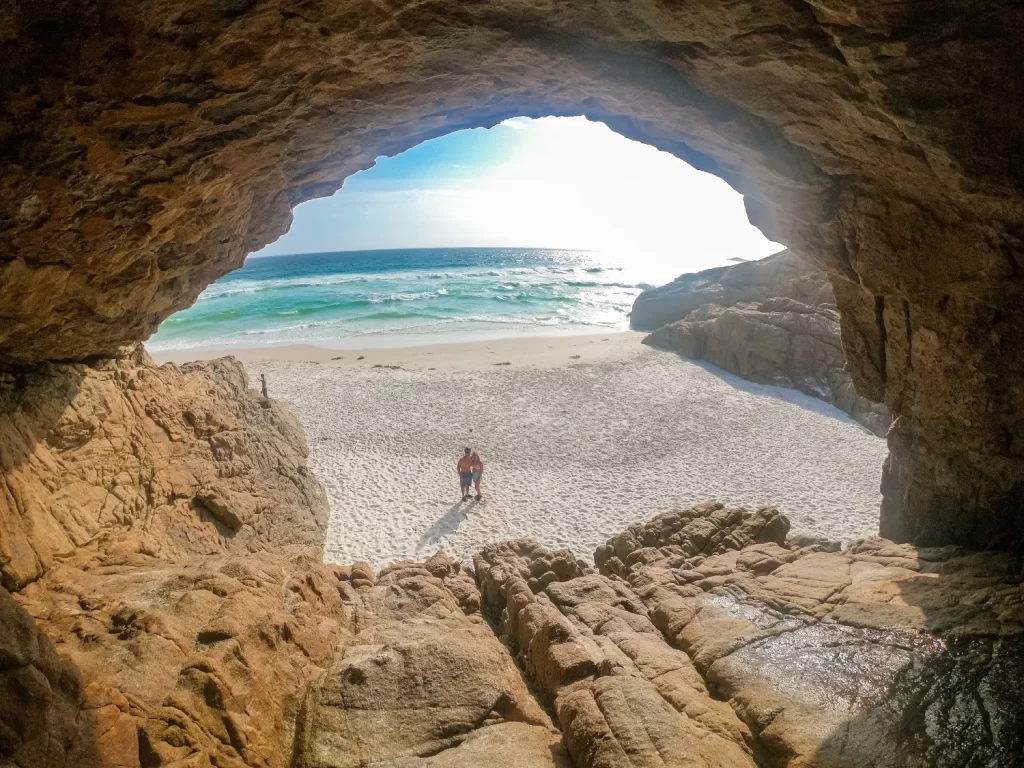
column 772, row 321
column 881, row 655
column 148, row 145
column 122, row 455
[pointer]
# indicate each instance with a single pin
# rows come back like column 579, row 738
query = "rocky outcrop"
column 205, row 660
column 622, row 696
column 772, row 321
column 148, row 145
column 122, row 455
column 783, row 275
column 424, row 683
column 880, row 654
column 162, row 540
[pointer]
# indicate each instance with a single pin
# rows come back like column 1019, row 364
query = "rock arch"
column 147, row 145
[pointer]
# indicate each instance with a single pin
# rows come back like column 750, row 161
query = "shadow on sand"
column 445, row 525
column 785, row 394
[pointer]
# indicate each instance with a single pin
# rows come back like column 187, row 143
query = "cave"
column 147, row 147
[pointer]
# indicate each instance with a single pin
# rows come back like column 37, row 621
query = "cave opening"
column 491, row 288
column 533, row 225
column 164, row 598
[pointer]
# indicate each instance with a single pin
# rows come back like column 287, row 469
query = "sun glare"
column 546, row 183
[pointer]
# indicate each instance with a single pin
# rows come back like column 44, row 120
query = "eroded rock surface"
column 622, row 695
column 881, row 654
column 772, row 321
column 201, row 660
column 127, row 456
column 708, row 639
column 423, row 683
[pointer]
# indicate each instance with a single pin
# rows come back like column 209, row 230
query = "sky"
column 555, row 182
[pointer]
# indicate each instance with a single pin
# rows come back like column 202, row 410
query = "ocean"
column 409, row 297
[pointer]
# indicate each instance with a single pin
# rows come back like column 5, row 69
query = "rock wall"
column 772, row 321
column 122, row 455
column 865, row 656
column 148, row 145
column 707, row 639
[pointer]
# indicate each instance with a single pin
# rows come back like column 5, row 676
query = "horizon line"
column 424, row 248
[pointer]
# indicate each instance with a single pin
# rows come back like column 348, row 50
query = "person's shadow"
column 448, row 523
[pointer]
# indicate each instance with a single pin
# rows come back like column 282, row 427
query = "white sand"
column 575, row 449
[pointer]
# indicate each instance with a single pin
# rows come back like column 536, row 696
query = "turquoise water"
column 378, row 297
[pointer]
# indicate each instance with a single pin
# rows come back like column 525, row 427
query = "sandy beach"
column 580, row 435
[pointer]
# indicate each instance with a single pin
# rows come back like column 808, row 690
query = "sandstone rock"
column 622, row 695
column 680, row 535
column 198, row 659
column 170, row 461
column 422, row 677
column 881, row 654
column 772, row 321
column 496, row 746
column 39, row 694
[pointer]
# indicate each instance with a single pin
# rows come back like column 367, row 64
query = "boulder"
column 622, row 695
column 772, row 321
column 161, row 662
column 180, row 460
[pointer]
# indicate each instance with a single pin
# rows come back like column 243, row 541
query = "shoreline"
column 534, row 350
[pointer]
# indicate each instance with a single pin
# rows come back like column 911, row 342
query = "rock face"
column 882, row 654
column 148, row 145
column 893, row 645
column 168, row 461
column 205, row 659
column 424, row 683
column 772, row 321
column 162, row 539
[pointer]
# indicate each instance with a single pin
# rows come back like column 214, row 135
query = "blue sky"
column 547, row 183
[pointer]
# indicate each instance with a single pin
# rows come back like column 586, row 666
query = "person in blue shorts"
column 465, row 469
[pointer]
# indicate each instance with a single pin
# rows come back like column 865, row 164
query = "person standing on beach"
column 477, row 466
column 263, row 381
column 465, row 469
